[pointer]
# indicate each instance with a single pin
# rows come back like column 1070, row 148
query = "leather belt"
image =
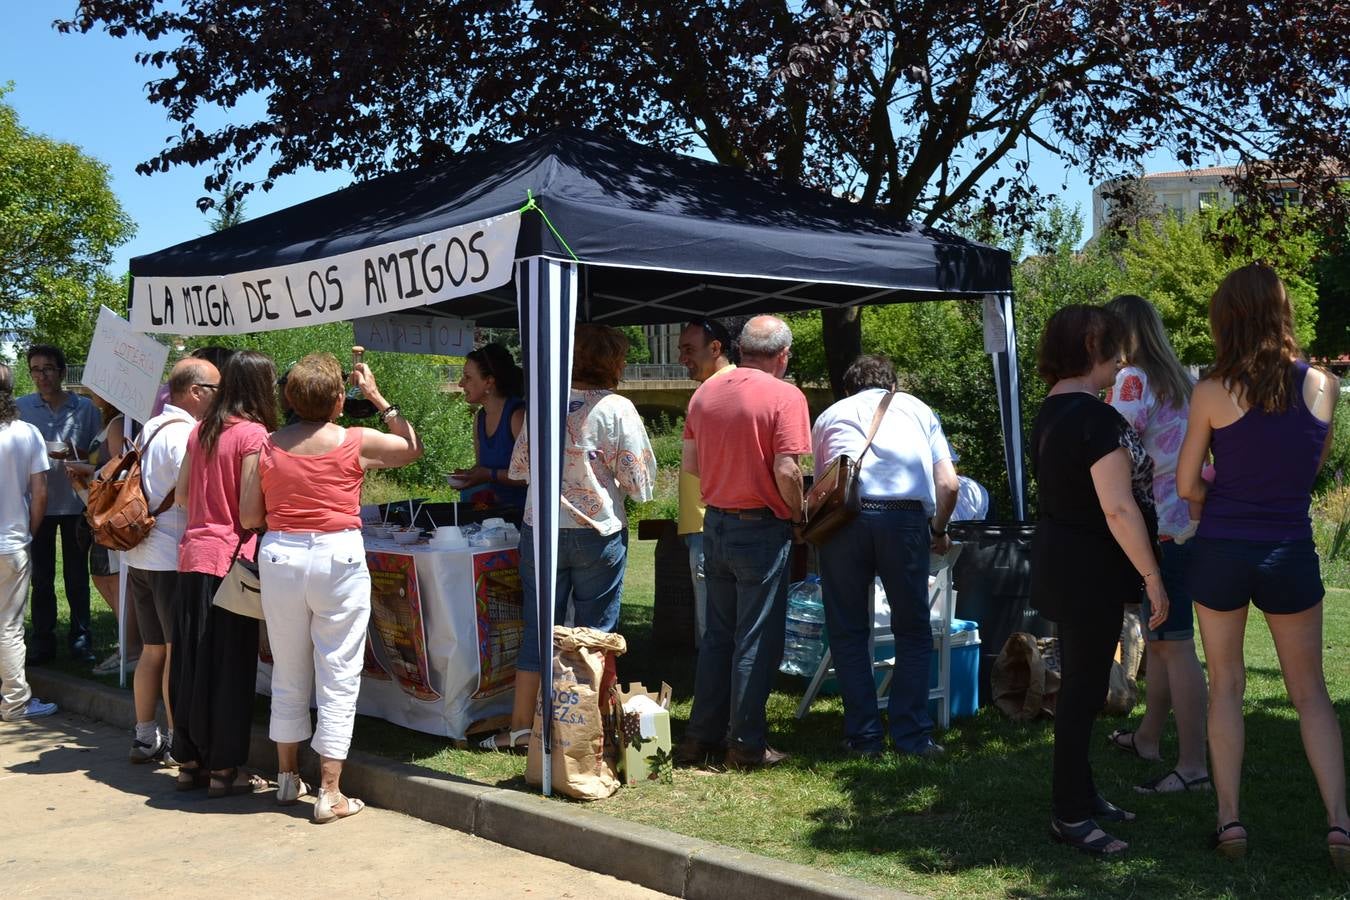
column 758, row 512
column 867, row 503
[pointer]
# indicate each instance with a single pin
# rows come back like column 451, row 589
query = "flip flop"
column 235, row 781
column 1123, row 739
column 1233, row 847
column 512, row 745
column 1159, row 784
column 1340, row 851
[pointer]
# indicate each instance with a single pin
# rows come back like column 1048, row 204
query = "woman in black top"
column 1093, row 546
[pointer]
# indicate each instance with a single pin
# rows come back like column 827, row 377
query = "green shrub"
column 1337, row 468
column 667, row 437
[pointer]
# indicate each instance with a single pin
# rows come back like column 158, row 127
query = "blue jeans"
column 745, row 564
column 892, row 543
column 590, row 572
column 695, row 544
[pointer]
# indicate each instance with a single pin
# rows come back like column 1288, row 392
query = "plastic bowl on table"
column 407, row 536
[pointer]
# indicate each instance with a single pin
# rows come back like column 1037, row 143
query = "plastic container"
column 965, row 672
column 804, row 638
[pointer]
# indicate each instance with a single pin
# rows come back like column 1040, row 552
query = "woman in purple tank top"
column 1266, row 416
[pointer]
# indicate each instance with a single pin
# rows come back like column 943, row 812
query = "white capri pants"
column 15, row 572
column 316, row 599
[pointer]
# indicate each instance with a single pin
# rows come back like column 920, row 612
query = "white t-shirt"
column 23, row 453
column 160, row 463
column 1162, row 429
column 899, row 464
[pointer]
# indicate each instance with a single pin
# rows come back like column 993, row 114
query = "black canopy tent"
column 590, row 227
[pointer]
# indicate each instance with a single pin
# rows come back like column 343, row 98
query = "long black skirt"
column 212, row 677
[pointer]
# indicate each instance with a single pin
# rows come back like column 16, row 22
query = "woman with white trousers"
column 312, row 563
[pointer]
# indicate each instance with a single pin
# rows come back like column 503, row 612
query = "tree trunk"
column 841, row 330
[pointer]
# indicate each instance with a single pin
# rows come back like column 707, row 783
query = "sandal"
column 1157, row 785
column 1079, row 837
column 189, row 779
column 1108, row 812
column 234, row 781
column 1339, row 850
column 324, row 809
column 290, row 788
column 512, row 745
column 1123, row 739
column 1233, row 847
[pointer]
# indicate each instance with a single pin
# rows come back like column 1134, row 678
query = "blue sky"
column 89, row 91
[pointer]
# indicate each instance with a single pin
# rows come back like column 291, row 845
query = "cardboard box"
column 644, row 735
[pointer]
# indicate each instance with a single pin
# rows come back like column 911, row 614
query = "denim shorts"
column 1174, row 565
column 1279, row 577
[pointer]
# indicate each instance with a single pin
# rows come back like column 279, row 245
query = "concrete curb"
column 661, row 860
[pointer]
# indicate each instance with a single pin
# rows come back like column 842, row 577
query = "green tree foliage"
column 1177, row 264
column 413, row 381
column 919, row 108
column 59, row 225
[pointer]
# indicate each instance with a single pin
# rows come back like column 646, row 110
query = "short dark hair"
column 495, row 361
column 714, row 330
column 598, row 355
column 48, row 350
column 869, row 371
column 1077, row 338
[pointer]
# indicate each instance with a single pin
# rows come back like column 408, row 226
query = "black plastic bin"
column 992, row 578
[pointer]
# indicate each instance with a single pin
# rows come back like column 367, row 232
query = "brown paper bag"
column 1023, row 687
column 583, row 673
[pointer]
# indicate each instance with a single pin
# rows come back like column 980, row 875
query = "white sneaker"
column 33, row 709
column 290, row 788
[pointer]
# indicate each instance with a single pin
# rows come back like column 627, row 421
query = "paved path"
column 79, row 820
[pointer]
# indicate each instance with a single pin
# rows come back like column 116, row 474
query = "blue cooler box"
column 965, row 680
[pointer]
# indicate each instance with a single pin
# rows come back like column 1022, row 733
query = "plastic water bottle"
column 804, row 639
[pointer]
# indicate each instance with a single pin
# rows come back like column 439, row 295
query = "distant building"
column 1183, row 193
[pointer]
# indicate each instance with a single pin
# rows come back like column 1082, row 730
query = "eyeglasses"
column 43, row 370
column 202, row 384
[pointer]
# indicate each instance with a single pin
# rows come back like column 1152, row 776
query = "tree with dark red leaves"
column 925, row 108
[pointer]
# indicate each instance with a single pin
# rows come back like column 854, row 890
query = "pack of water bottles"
column 804, row 638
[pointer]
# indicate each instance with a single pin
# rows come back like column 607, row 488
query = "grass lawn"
column 974, row 824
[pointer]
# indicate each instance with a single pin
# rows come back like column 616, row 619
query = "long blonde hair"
column 1147, row 347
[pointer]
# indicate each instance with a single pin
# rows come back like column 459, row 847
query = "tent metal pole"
column 546, row 291
column 1001, row 341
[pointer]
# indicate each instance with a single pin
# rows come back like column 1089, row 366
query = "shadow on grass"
column 985, row 809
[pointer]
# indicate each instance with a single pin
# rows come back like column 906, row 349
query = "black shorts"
column 154, row 594
column 1279, row 577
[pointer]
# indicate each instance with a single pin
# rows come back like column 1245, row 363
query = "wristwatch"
column 934, row 532
column 389, row 412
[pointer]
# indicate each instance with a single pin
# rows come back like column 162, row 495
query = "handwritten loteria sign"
column 398, row 275
column 124, row 366
column 438, row 335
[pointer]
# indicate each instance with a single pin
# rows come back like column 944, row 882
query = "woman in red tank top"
column 312, row 563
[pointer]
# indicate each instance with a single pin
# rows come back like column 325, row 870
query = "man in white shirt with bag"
column 152, row 565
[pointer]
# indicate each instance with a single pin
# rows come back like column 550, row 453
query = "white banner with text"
column 398, row 275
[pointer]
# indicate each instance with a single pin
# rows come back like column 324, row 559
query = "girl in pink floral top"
column 1152, row 391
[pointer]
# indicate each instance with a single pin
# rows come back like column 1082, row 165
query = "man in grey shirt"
column 68, row 423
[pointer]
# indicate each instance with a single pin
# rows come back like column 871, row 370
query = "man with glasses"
column 152, row 565
column 706, row 350
column 69, row 424
column 743, row 437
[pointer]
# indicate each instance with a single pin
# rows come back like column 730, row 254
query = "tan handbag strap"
column 876, row 423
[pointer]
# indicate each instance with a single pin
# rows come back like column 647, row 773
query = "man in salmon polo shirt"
column 743, row 436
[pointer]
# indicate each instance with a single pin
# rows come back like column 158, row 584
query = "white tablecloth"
column 471, row 624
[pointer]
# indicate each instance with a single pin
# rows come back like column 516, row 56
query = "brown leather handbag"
column 836, row 497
